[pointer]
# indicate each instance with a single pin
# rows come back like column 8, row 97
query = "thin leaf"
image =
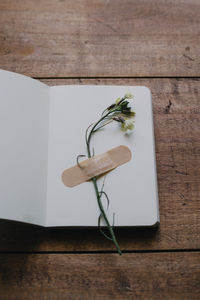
column 104, row 179
column 104, row 193
column 86, row 132
column 100, row 229
column 77, row 160
column 113, row 220
column 93, row 153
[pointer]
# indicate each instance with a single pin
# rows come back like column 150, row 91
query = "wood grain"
column 87, row 38
column 105, row 276
column 178, row 167
column 113, row 38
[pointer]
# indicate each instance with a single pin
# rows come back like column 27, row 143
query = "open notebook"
column 42, row 131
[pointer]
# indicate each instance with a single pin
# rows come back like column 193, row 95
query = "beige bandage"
column 96, row 165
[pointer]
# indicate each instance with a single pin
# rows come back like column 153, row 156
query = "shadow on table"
column 21, row 237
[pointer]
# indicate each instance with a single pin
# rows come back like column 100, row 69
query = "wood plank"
column 100, row 38
column 105, row 276
column 178, row 166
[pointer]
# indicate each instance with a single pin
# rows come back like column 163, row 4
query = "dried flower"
column 127, row 125
column 128, row 96
column 119, row 119
column 121, row 112
column 117, row 100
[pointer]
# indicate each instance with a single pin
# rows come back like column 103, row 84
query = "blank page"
column 132, row 188
column 24, row 111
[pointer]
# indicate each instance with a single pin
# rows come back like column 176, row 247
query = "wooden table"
column 146, row 42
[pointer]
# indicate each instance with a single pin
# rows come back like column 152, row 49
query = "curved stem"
column 94, row 180
column 91, row 132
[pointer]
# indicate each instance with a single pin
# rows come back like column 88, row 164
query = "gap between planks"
column 103, row 252
column 119, row 77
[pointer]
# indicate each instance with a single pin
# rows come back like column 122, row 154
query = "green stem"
column 94, row 180
column 91, row 132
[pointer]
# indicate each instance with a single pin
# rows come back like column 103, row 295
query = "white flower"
column 128, row 96
column 117, row 100
column 127, row 125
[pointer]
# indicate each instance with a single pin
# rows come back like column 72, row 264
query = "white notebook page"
column 24, row 114
column 132, row 188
